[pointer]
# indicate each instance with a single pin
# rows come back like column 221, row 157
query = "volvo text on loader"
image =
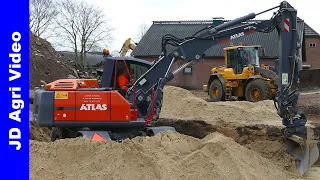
column 82, row 107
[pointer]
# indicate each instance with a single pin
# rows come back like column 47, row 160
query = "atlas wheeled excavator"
column 84, row 108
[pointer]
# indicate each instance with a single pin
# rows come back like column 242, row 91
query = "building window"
column 306, row 66
column 187, row 70
column 312, row 45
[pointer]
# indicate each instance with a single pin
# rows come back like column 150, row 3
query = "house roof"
column 309, row 31
column 150, row 44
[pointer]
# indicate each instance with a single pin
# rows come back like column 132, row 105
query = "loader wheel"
column 216, row 92
column 57, row 133
column 258, row 90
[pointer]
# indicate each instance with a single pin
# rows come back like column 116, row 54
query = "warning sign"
column 61, row 95
column 97, row 137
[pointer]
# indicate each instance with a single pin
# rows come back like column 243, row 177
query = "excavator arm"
column 191, row 49
column 127, row 45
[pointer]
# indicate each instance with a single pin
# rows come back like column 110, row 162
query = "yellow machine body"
column 235, row 75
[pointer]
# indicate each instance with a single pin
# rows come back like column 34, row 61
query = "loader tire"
column 258, row 90
column 57, row 133
column 216, row 92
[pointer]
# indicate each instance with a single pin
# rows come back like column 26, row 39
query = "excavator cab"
column 113, row 66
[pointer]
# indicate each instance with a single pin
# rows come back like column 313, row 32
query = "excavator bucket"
column 306, row 151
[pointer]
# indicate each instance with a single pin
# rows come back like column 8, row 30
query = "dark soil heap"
column 46, row 64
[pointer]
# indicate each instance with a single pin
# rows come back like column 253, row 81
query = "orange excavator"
column 84, row 107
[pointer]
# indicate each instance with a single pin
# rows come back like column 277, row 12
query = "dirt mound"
column 165, row 156
column 267, row 141
column 38, row 133
column 45, row 63
column 179, row 103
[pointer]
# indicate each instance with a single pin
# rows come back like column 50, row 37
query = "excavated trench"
column 264, row 139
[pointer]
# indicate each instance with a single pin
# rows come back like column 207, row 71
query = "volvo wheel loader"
column 242, row 76
column 82, row 107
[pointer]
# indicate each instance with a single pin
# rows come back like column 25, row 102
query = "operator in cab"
column 123, row 80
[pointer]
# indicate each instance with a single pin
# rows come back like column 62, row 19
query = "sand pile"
column 179, row 103
column 165, row 156
column 39, row 133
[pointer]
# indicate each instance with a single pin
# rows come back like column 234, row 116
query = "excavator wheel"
column 216, row 92
column 57, row 133
column 157, row 110
column 258, row 90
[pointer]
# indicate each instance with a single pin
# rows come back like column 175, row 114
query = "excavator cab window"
column 121, row 66
column 137, row 70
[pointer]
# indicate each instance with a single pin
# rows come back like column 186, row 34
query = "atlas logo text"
column 236, row 35
column 93, row 107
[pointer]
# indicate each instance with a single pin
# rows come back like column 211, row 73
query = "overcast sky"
column 127, row 15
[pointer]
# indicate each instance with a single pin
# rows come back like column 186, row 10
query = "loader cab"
column 239, row 57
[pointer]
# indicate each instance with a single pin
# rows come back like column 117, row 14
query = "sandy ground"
column 194, row 105
column 308, row 101
column 223, row 140
column 164, row 156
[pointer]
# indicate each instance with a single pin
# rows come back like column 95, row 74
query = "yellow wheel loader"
column 241, row 76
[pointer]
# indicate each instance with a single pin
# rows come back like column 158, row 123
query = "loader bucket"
column 306, row 151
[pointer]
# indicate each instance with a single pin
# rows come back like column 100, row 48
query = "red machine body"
column 73, row 102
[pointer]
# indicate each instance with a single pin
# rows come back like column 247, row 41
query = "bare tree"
column 142, row 30
column 42, row 12
column 84, row 27
column 115, row 53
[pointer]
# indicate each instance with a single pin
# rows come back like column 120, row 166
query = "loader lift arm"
column 191, row 49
